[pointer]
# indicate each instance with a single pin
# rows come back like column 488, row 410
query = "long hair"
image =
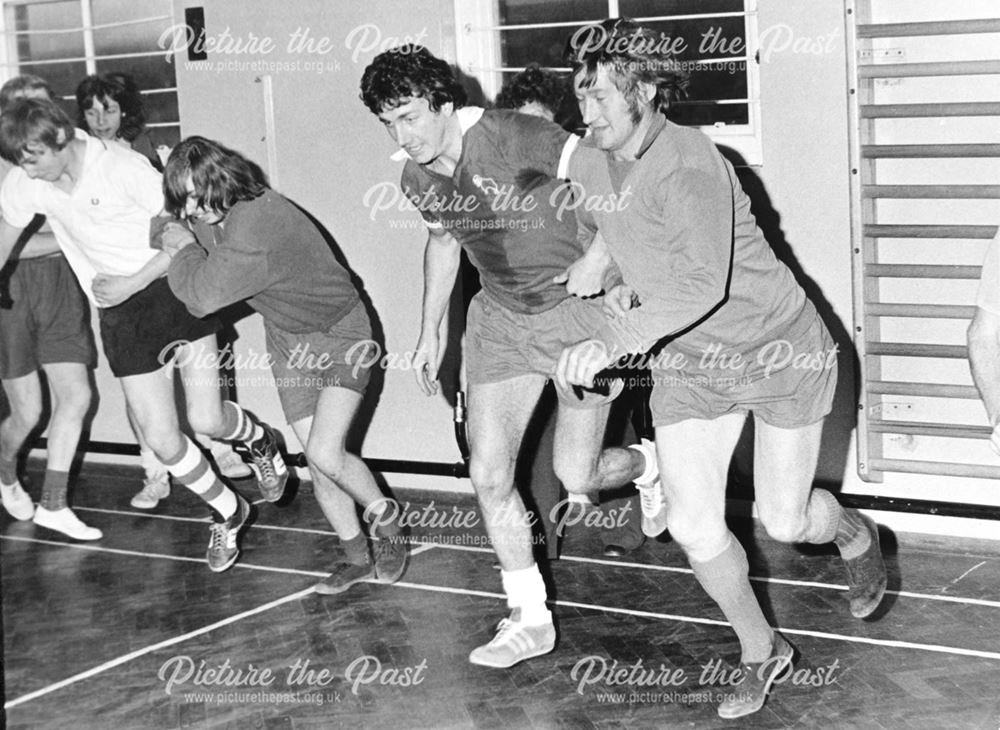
column 221, row 177
column 32, row 122
column 632, row 56
column 117, row 87
column 404, row 72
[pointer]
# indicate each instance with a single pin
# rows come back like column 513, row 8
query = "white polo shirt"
column 102, row 226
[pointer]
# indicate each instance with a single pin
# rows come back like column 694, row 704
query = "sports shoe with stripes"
column 514, row 643
column 223, row 541
column 265, row 459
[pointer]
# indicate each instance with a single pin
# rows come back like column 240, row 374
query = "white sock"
column 525, row 589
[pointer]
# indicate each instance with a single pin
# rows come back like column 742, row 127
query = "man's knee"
column 575, row 479
column 699, row 535
column 73, row 403
column 331, row 462
column 207, row 420
column 491, row 481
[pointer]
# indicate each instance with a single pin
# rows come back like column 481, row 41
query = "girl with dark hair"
column 110, row 107
column 257, row 246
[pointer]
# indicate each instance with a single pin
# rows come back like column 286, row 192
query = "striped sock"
column 238, row 424
column 191, row 468
column 54, row 489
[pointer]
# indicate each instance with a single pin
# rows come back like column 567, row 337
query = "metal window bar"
column 868, row 234
column 82, row 28
column 78, row 59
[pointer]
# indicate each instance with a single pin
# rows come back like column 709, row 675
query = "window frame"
column 478, row 55
column 10, row 64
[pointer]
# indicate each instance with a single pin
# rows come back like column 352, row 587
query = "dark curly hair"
column 121, row 89
column 534, row 84
column 221, row 177
column 404, row 72
column 631, row 54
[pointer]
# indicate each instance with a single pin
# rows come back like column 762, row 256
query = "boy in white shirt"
column 99, row 200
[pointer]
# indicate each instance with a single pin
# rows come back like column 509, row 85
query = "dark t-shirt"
column 506, row 206
column 270, row 254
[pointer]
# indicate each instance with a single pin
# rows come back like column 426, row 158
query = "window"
column 64, row 40
column 712, row 38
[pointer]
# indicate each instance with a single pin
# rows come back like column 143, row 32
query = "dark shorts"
column 789, row 381
column 49, row 321
column 501, row 344
column 141, row 334
column 304, row 364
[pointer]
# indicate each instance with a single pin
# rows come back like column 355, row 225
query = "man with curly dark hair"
column 489, row 182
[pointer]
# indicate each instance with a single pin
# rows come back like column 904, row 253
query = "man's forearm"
column 441, row 261
column 153, row 270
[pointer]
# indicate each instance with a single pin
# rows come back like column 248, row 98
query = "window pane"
column 517, row 12
column 63, row 77
column 544, row 46
column 654, row 8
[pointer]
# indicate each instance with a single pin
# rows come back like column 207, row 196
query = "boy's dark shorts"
column 49, row 321
column 141, row 334
column 304, row 364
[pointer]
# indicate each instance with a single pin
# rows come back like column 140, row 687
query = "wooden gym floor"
column 133, row 631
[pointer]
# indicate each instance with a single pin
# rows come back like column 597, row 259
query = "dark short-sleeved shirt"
column 506, row 204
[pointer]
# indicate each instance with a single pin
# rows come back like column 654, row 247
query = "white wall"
column 330, row 151
column 806, row 175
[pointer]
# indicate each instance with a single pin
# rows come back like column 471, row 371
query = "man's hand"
column 175, row 237
column 579, row 364
column 113, row 290
column 426, row 363
column 584, row 277
column 619, row 300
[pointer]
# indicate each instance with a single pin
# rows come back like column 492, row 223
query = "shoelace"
column 504, row 628
column 649, row 498
column 264, row 464
column 217, row 540
column 383, row 546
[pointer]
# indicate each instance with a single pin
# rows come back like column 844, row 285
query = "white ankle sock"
column 525, row 590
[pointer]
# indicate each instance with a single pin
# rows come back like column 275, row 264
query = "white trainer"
column 654, row 505
column 514, row 643
column 65, row 521
column 153, row 490
column 16, row 501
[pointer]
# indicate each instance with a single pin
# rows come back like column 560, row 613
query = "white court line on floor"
column 889, row 643
column 594, row 561
column 176, row 640
column 154, row 647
